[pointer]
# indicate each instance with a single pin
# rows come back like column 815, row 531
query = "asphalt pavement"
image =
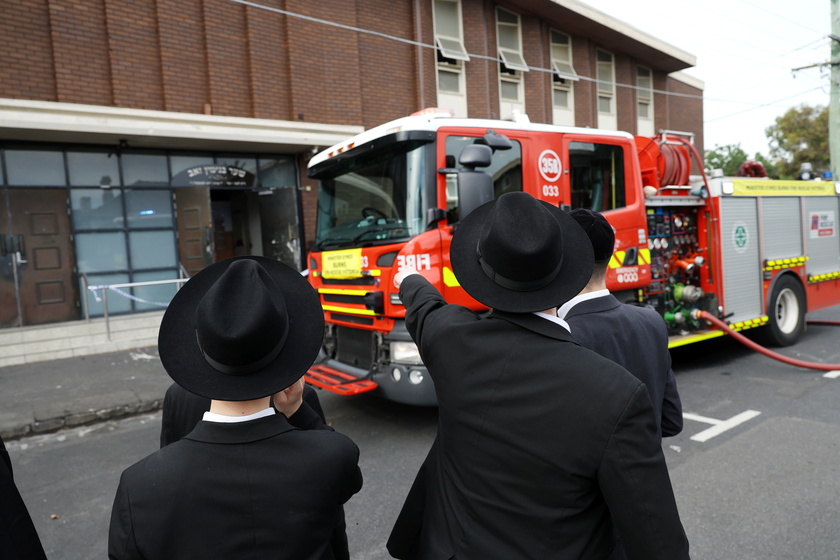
column 45, row 397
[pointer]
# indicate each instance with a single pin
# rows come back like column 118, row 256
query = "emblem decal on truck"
column 550, row 165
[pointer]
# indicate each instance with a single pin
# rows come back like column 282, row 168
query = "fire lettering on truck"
column 417, row 262
column 822, row 224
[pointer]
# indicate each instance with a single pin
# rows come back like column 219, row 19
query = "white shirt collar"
column 580, row 298
column 214, row 417
column 557, row 320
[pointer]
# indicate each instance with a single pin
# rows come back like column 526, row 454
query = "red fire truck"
column 754, row 253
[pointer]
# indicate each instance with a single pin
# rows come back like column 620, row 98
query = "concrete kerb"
column 46, row 397
column 44, row 425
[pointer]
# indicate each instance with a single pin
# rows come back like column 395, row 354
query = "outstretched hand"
column 402, row 274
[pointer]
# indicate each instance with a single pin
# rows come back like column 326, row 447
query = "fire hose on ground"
column 769, row 353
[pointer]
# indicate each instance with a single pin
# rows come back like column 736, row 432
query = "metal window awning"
column 513, row 60
column 452, row 48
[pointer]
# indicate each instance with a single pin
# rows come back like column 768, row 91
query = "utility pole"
column 834, row 96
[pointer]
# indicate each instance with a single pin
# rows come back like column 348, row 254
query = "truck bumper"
column 399, row 383
column 404, row 387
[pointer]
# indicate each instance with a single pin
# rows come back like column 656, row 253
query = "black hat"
column 241, row 329
column 599, row 230
column 521, row 254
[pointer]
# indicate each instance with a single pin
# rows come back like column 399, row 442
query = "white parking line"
column 833, row 374
column 718, row 426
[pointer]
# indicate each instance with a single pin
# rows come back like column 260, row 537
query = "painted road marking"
column 718, row 426
column 833, row 374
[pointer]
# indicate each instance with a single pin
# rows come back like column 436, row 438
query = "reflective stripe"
column 779, row 264
column 342, row 292
column 348, row 310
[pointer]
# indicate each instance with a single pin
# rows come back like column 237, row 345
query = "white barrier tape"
column 94, row 289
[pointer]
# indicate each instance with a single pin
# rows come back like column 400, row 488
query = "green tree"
column 800, row 136
column 728, row 157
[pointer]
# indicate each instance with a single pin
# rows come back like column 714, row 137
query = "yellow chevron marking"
column 449, row 279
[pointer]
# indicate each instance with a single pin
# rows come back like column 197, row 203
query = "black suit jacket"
column 257, row 489
column 539, row 440
column 18, row 537
column 636, row 338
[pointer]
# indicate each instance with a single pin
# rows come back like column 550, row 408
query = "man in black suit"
column 248, row 481
column 18, row 536
column 632, row 336
column 541, row 443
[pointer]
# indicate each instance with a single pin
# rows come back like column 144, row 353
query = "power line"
column 771, row 103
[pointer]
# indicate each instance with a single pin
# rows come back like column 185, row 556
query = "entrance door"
column 195, row 228
column 36, row 258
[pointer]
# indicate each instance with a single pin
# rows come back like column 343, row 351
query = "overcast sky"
column 746, row 51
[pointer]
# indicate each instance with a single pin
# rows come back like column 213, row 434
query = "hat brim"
column 574, row 274
column 182, row 358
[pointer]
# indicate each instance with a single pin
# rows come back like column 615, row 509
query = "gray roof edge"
column 627, row 30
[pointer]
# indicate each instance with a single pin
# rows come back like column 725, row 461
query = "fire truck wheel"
column 786, row 311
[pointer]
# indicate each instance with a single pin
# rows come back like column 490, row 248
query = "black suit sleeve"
column 308, row 419
column 121, row 543
column 635, row 483
column 310, row 397
column 182, row 410
column 672, row 414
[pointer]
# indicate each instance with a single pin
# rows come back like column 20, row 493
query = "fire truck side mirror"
column 474, row 187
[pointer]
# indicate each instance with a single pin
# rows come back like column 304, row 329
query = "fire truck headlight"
column 396, row 374
column 415, row 376
column 405, row 353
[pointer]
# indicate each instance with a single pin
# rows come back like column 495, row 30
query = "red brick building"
column 141, row 137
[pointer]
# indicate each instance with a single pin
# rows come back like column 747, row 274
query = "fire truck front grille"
column 354, row 347
column 341, row 298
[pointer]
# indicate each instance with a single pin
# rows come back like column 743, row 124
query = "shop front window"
column 134, row 216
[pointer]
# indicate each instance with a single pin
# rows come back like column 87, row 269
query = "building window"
column 562, row 79
column 644, row 101
column 509, row 37
column 451, row 56
column 606, row 90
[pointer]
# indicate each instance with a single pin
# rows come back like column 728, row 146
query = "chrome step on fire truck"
column 756, row 253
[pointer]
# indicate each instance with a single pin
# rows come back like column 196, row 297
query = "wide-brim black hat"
column 521, row 254
column 241, row 329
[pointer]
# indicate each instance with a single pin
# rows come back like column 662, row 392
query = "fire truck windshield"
column 372, row 199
